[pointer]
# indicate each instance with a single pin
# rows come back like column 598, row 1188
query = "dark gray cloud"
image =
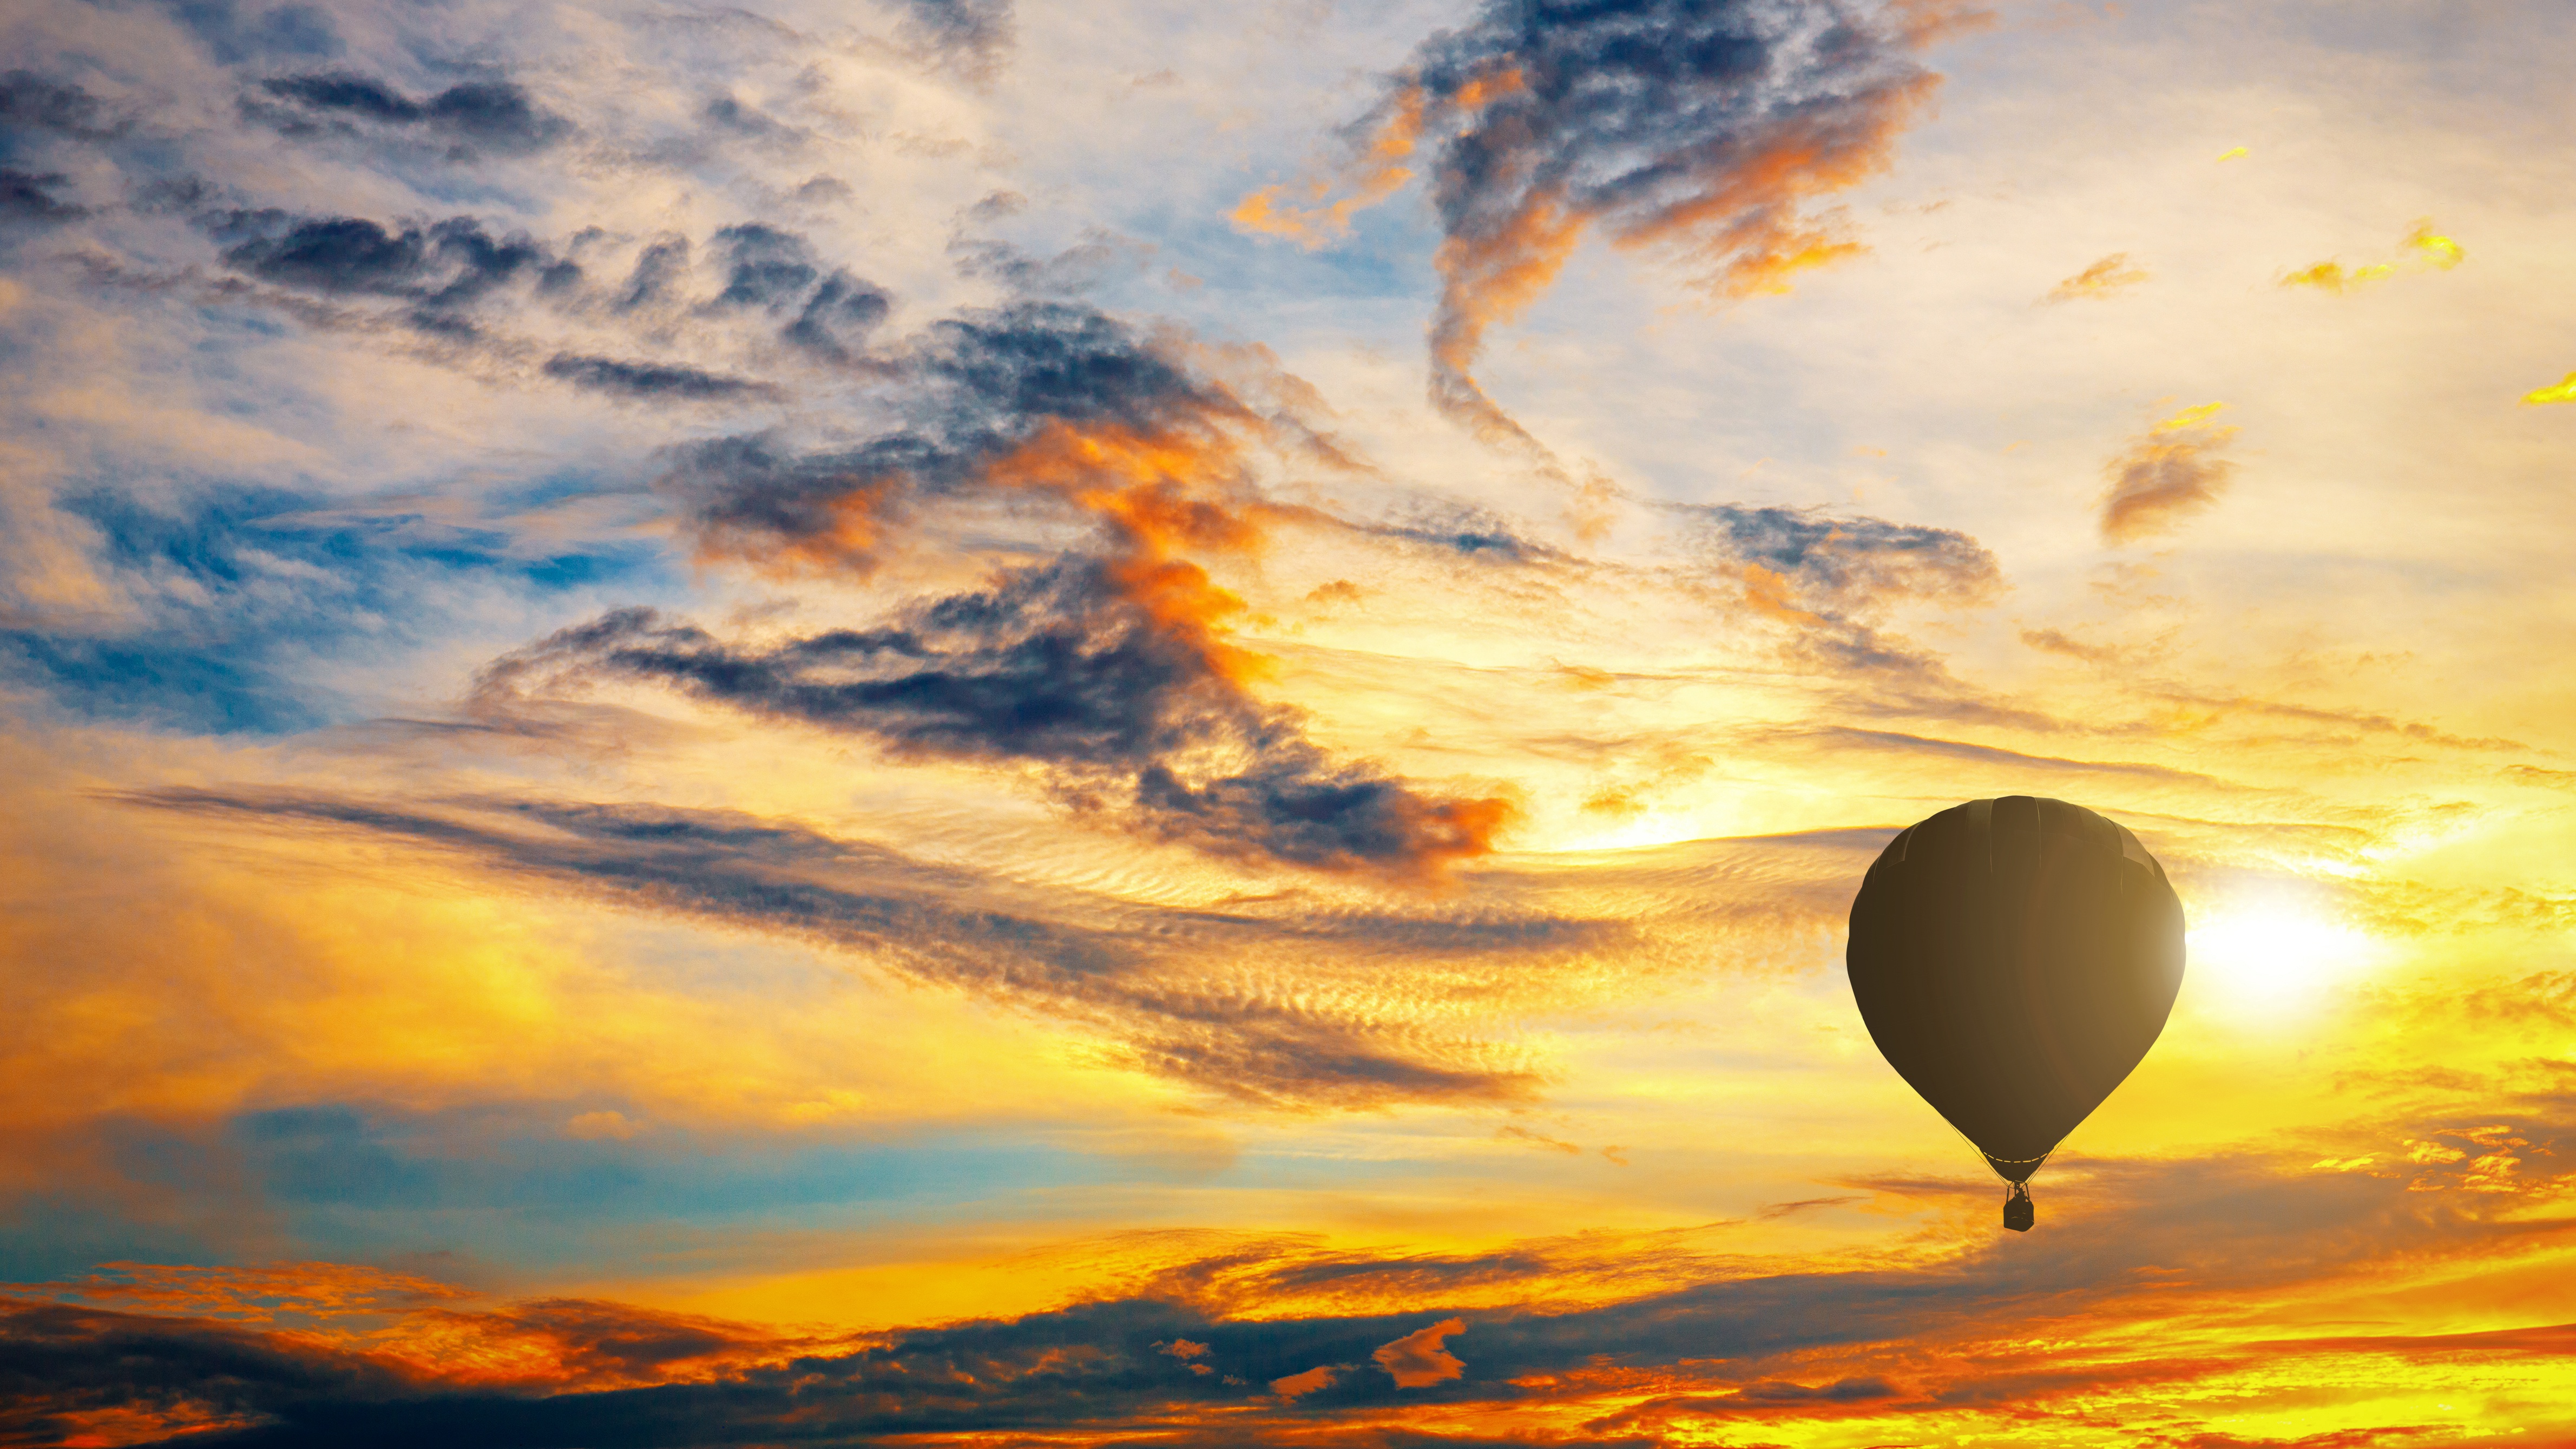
column 347, row 92
column 777, row 270
column 58, row 1362
column 838, row 316
column 658, row 269
column 971, row 37
column 443, row 268
column 651, row 379
column 1471, row 533
column 1064, row 666
column 1847, row 563
column 764, row 266
column 475, row 117
column 36, row 196
column 32, row 103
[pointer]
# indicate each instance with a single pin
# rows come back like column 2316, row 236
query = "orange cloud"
column 1488, row 279
column 1308, row 1382
column 259, row 1295
column 1417, row 1361
column 1371, row 176
column 2110, row 275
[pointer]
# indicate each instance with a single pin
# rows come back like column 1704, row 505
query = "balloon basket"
column 2018, row 1213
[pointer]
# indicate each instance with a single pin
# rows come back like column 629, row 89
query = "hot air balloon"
column 2014, row 959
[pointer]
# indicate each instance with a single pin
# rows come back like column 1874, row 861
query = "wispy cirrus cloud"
column 2108, row 277
column 1144, row 985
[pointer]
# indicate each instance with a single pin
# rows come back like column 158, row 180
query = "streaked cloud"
column 1112, row 681
column 1127, row 978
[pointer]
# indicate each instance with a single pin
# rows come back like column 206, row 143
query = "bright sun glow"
column 2277, row 954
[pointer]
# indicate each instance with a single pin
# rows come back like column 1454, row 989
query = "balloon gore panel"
column 2014, row 959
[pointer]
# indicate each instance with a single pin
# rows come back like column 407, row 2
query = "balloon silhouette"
column 2014, row 959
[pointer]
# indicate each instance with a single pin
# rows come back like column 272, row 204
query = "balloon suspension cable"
column 2018, row 1212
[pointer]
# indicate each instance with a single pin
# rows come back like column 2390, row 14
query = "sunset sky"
column 982, row 722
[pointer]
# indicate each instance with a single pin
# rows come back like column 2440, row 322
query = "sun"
column 2277, row 955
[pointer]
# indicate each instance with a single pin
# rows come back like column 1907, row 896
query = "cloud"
column 2007, row 763
column 659, row 266
column 1949, row 1341
column 1849, row 564
column 1377, row 173
column 651, row 379
column 450, row 275
column 2107, row 277
column 971, row 37
column 443, row 269
column 778, row 272
column 1178, row 994
column 1417, row 1361
column 1112, row 667
column 29, row 196
column 1036, row 401
column 2169, row 473
column 487, row 116
column 1702, row 130
column 2059, row 642
column 1298, row 1385
column 2564, row 390
column 1112, row 682
column 2421, row 249
column 1831, row 581
column 32, row 102
column 764, row 266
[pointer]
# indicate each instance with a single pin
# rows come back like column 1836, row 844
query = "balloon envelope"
column 2014, row 959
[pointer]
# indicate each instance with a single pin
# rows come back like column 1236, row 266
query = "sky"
column 968, row 722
